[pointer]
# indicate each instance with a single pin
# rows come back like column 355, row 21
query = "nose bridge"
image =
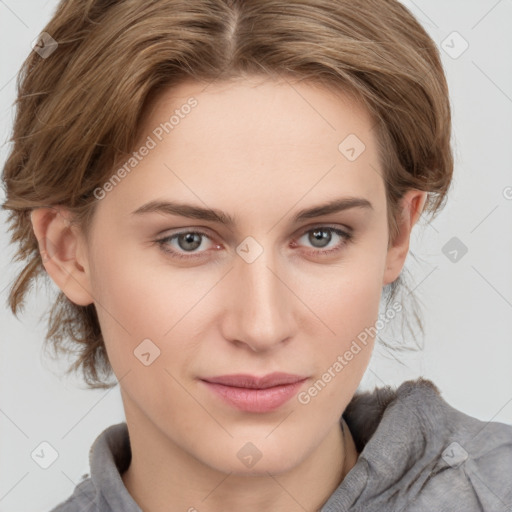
column 262, row 303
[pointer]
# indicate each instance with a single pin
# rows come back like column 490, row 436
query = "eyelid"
column 348, row 230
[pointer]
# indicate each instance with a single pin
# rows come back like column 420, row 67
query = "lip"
column 255, row 394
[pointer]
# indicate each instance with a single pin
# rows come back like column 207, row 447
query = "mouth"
column 255, row 394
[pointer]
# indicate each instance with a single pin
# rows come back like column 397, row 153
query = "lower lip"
column 256, row 400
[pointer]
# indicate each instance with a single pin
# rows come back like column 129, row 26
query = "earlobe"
column 412, row 205
column 58, row 245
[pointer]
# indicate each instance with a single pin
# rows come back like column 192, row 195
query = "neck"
column 163, row 477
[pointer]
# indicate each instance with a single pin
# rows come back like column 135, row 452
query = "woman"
column 221, row 190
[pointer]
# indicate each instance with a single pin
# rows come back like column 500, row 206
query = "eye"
column 187, row 242
column 321, row 236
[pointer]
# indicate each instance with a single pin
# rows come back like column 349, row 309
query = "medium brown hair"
column 79, row 109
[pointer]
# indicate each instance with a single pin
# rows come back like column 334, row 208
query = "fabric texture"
column 416, row 454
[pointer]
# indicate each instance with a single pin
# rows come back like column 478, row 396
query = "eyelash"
column 164, row 245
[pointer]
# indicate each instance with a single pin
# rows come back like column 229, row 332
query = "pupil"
column 320, row 235
column 192, row 241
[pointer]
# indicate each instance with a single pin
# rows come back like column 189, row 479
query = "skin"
column 260, row 151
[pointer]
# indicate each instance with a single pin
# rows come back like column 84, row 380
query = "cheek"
column 132, row 288
column 351, row 314
column 127, row 300
column 350, row 309
column 350, row 293
column 348, row 303
column 141, row 297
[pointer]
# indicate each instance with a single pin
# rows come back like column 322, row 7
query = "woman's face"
column 279, row 288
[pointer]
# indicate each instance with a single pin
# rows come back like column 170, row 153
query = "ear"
column 412, row 205
column 62, row 250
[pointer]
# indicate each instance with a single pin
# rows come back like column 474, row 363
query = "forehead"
column 258, row 109
column 253, row 142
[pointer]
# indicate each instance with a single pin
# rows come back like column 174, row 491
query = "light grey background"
column 467, row 305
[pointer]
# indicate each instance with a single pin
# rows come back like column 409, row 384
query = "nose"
column 260, row 305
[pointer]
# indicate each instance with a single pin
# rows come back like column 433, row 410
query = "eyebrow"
column 209, row 214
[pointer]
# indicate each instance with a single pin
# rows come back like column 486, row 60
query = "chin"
column 256, row 458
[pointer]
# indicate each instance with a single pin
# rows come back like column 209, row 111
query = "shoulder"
column 84, row 499
column 471, row 464
column 104, row 490
column 432, row 455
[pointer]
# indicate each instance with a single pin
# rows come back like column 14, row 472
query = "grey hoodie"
column 416, row 453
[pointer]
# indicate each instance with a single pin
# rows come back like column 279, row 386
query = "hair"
column 79, row 110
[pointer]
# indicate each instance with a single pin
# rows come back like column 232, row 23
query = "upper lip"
column 252, row 382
